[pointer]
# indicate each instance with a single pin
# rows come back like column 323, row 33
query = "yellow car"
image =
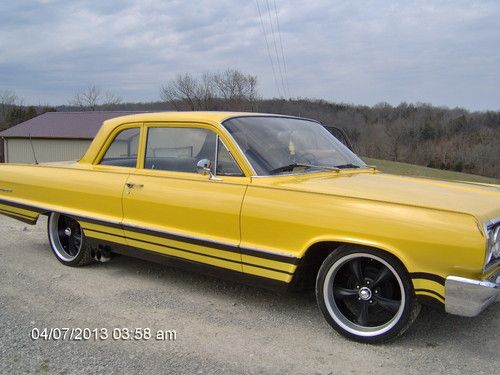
column 272, row 199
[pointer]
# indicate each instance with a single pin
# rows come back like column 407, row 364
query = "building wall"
column 18, row 150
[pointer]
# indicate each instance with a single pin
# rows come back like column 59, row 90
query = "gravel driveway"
column 221, row 327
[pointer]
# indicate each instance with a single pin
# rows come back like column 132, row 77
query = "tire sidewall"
column 81, row 255
column 410, row 302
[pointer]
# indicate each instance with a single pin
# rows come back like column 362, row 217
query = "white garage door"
column 18, row 150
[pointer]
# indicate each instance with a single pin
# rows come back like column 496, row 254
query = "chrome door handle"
column 132, row 185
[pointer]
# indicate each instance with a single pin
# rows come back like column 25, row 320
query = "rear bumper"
column 468, row 297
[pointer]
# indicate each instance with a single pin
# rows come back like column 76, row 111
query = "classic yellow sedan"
column 273, row 199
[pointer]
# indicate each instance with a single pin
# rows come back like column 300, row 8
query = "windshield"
column 276, row 145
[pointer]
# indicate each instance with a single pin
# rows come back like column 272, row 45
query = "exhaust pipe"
column 101, row 254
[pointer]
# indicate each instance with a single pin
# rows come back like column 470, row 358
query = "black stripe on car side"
column 209, row 269
column 205, row 243
column 431, row 292
column 180, row 238
column 213, row 245
column 98, row 222
column 190, row 251
column 22, row 206
column 3, row 210
column 428, row 276
column 197, row 241
column 175, row 237
column 23, row 218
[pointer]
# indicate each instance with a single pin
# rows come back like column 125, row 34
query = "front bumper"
column 468, row 297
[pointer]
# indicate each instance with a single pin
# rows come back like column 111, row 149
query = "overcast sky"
column 362, row 52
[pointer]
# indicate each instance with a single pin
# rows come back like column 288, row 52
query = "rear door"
column 104, row 185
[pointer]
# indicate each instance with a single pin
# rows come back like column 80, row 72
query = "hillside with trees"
column 438, row 137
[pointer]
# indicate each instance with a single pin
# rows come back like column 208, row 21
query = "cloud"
column 361, row 52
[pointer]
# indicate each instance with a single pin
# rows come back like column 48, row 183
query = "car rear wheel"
column 67, row 241
column 366, row 295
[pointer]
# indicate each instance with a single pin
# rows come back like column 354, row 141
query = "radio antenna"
column 33, row 149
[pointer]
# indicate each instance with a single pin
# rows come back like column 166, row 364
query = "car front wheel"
column 366, row 295
column 67, row 241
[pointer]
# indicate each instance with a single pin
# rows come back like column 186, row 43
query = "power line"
column 282, row 49
column 268, row 49
column 275, row 47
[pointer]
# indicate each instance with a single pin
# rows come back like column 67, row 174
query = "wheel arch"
column 304, row 277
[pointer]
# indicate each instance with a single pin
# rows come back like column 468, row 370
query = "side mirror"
column 204, row 167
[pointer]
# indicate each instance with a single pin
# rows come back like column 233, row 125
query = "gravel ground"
column 221, row 327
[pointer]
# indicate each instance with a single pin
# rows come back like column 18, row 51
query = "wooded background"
column 438, row 137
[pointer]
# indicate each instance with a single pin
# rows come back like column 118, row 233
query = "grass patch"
column 405, row 169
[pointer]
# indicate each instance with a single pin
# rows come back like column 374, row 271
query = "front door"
column 172, row 209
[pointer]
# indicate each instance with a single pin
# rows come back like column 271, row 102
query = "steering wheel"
column 308, row 157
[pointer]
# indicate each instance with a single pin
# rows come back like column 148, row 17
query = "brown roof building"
column 55, row 136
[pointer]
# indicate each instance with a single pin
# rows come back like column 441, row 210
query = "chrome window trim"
column 216, row 157
column 239, row 150
column 232, row 157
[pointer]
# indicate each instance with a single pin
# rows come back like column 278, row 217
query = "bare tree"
column 109, row 98
column 8, row 99
column 8, row 102
column 212, row 91
column 182, row 92
column 235, row 88
column 396, row 133
column 205, row 94
column 92, row 97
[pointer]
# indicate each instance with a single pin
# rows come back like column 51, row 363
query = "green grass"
column 405, row 169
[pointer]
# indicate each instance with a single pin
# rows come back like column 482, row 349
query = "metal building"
column 54, row 136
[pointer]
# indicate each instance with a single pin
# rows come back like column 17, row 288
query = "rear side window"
column 123, row 150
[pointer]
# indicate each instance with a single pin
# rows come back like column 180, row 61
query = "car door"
column 100, row 189
column 172, row 209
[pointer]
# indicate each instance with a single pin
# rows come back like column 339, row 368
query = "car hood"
column 480, row 200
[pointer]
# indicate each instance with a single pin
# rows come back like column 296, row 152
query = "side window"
column 226, row 165
column 123, row 150
column 179, row 149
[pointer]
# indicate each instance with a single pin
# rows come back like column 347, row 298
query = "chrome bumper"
column 468, row 297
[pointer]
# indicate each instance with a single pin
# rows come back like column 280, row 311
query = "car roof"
column 211, row 116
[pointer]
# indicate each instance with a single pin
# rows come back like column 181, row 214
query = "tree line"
column 13, row 112
column 438, row 137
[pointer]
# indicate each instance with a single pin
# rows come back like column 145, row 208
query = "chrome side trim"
column 268, row 252
column 468, row 297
